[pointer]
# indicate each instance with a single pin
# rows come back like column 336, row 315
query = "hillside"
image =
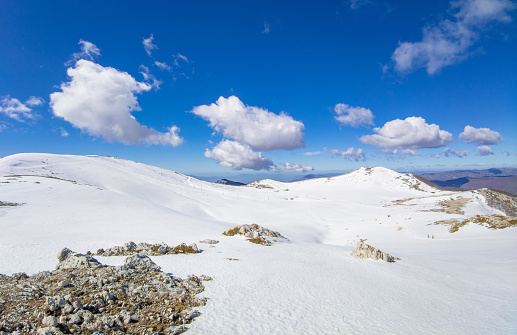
column 306, row 285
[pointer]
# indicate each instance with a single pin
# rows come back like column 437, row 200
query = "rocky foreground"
column 83, row 296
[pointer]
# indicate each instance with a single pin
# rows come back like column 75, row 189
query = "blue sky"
column 263, row 88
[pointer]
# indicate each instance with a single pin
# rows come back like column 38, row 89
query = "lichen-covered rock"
column 256, row 234
column 136, row 298
column 365, row 251
column 73, row 260
column 141, row 263
column 130, row 248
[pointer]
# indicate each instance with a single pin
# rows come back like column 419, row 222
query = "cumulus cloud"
column 350, row 154
column 353, row 116
column 297, row 167
column 449, row 41
column 100, row 101
column 411, row 133
column 254, row 126
column 447, row 152
column 238, row 156
column 480, row 136
column 401, row 152
column 88, row 51
column 149, row 46
column 485, row 150
column 17, row 110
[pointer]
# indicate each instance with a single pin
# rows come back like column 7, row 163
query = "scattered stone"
column 135, row 298
column 365, row 251
column 208, row 241
column 256, row 234
column 130, row 248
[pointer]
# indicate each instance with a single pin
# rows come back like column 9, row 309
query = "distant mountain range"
column 503, row 179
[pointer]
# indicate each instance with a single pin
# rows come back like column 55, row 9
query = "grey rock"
column 365, row 251
column 73, row 260
column 49, row 320
column 140, row 262
column 209, row 241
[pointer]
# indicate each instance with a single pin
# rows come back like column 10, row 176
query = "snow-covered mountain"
column 462, row 282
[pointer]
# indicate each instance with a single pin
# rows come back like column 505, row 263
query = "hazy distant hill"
column 504, row 179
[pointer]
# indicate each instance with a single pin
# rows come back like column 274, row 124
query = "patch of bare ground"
column 489, row 221
column 452, row 206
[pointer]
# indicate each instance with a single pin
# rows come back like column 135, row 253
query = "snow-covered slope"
column 455, row 283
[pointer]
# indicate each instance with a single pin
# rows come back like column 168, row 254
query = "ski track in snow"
column 461, row 283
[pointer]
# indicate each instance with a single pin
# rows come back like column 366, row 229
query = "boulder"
column 365, row 251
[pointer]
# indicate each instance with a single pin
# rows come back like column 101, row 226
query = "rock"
column 208, row 241
column 256, row 234
column 49, row 331
column 364, row 251
column 73, row 260
column 141, row 263
column 49, row 320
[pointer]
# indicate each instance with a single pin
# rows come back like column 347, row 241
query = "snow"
column 456, row 283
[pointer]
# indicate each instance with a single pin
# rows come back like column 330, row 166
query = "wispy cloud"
column 312, row 153
column 449, row 41
column 266, row 28
column 149, row 46
column 88, row 51
column 17, row 110
column 350, row 154
column 411, row 133
column 447, row 152
column 400, row 152
column 149, row 78
column 163, row 66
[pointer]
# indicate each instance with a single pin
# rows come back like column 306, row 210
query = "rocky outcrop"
column 505, row 203
column 83, row 296
column 256, row 234
column 489, row 221
column 131, row 248
column 209, row 241
column 365, row 251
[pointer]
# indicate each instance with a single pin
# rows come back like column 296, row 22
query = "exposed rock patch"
column 365, row 251
column 505, row 203
column 86, row 297
column 256, row 234
column 452, row 206
column 208, row 241
column 131, row 248
column 488, row 221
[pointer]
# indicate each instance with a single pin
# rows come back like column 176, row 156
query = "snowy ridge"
column 91, row 202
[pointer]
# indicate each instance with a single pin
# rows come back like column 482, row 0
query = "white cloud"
column 63, row 132
column 447, row 152
column 34, row 101
column 15, row 109
column 313, row 153
column 485, row 150
column 88, row 51
column 350, row 154
column 238, row 156
column 401, row 152
column 163, row 66
column 297, row 167
column 480, row 136
column 179, row 57
column 100, row 101
column 355, row 4
column 254, row 126
column 149, row 46
column 353, row 116
column 449, row 42
column 411, row 133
